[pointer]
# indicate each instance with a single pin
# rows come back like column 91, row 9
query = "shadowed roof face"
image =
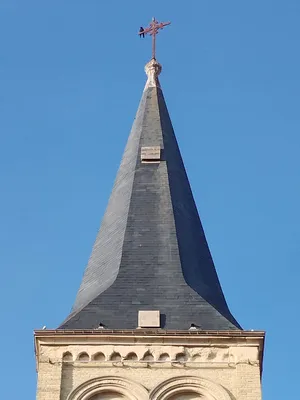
column 151, row 252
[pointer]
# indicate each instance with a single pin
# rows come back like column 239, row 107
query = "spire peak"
column 153, row 69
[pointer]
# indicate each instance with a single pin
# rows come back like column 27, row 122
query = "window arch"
column 109, row 388
column 187, row 396
column 189, row 388
column 109, row 396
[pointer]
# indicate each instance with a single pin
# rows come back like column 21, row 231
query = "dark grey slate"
column 151, row 252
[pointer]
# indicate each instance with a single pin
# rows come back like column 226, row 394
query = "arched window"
column 109, row 396
column 189, row 388
column 109, row 388
column 187, row 396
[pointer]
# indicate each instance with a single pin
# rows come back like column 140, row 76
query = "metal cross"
column 153, row 30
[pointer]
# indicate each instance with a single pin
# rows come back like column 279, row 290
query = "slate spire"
column 151, row 252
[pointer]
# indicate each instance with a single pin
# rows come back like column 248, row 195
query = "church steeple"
column 151, row 252
column 151, row 269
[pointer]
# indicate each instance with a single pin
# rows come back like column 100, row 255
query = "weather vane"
column 153, row 30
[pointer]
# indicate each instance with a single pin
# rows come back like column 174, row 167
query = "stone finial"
column 152, row 69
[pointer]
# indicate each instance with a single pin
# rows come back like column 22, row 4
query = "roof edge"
column 147, row 332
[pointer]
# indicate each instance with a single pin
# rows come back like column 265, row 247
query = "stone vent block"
column 149, row 319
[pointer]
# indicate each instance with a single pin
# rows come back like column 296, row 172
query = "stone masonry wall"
column 234, row 369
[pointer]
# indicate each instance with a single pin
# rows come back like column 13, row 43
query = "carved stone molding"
column 131, row 390
column 189, row 384
column 198, row 356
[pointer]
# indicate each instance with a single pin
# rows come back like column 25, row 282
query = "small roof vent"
column 150, row 154
column 149, row 319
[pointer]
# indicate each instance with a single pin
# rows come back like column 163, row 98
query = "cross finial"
column 153, row 30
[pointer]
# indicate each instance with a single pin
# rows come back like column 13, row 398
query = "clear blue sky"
column 71, row 77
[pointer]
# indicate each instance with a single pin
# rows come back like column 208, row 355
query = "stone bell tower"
column 150, row 320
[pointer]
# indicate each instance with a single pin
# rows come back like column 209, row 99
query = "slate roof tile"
column 151, row 252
